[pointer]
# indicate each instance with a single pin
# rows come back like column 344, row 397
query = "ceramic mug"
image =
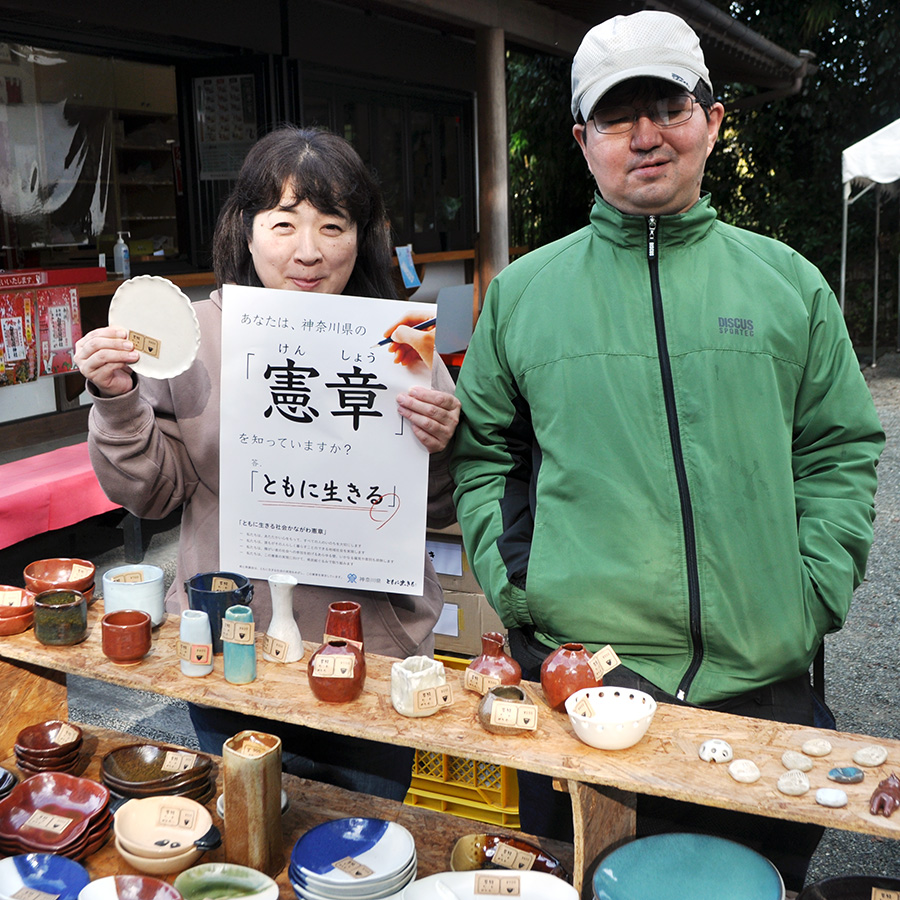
column 125, row 636
column 201, row 596
column 60, row 617
column 136, row 586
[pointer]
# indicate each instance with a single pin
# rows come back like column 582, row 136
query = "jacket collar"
column 631, row 231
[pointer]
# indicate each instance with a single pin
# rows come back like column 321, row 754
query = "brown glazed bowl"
column 17, row 624
column 41, row 741
column 21, row 600
column 125, row 636
column 47, row 574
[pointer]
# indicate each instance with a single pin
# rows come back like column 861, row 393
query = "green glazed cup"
column 60, row 617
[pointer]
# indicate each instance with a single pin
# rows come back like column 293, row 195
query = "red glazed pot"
column 493, row 662
column 565, row 671
column 344, row 620
column 337, row 671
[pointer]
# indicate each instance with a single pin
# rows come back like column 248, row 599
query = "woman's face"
column 299, row 248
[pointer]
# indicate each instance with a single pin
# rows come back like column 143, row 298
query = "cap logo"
column 676, row 77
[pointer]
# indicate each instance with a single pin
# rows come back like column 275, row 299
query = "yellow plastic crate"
column 485, row 792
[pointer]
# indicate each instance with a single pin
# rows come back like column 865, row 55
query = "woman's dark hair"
column 325, row 170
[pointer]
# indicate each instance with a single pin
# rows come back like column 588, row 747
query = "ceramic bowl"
column 147, row 594
column 619, row 717
column 477, row 851
column 851, row 887
column 142, row 767
column 43, row 739
column 164, row 826
column 129, row 887
column 532, row 886
column 47, row 574
column 17, row 624
column 125, row 636
column 60, row 617
column 225, row 881
column 167, row 865
column 15, row 601
column 44, row 872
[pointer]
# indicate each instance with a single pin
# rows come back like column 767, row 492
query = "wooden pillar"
column 493, row 155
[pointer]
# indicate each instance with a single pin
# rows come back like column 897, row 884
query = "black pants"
column 788, row 845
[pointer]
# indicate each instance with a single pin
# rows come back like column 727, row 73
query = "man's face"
column 649, row 170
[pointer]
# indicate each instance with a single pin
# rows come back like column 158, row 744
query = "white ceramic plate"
column 532, row 886
column 157, row 310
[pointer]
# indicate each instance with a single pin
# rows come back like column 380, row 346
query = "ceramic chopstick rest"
column 744, row 770
column 794, row 783
column 419, row 686
column 716, row 750
column 195, row 648
column 282, row 642
column 794, row 759
column 846, row 775
column 239, row 645
column 816, row 747
column 886, row 797
column 834, row 798
column 871, row 755
column 252, row 788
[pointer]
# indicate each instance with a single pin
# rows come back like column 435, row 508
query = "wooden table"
column 603, row 784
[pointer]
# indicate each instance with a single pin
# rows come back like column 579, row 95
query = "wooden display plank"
column 29, row 691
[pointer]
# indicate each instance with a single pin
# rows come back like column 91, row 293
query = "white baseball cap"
column 645, row 44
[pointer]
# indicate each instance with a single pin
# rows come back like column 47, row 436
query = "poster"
column 59, row 327
column 320, row 476
column 225, row 119
column 18, row 338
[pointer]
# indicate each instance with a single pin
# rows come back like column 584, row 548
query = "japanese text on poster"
column 321, row 478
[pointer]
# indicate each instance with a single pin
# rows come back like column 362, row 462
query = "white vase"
column 283, row 636
column 414, row 684
column 195, row 635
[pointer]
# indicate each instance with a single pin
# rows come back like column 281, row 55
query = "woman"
column 305, row 214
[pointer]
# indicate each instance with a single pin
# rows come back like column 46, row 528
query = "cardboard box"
column 466, row 617
column 450, row 561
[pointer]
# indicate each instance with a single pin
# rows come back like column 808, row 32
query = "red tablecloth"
column 48, row 491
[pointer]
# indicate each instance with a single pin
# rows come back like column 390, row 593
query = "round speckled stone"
column 793, row 783
column 872, row 755
column 816, row 747
column 794, row 759
column 832, row 797
column 744, row 770
column 846, row 775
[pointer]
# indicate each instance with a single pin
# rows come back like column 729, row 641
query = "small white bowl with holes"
column 610, row 718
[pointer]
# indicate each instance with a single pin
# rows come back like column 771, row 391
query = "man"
column 666, row 444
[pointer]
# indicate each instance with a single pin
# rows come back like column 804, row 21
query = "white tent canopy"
column 872, row 162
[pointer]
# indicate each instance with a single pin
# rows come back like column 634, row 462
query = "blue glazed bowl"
column 676, row 866
column 45, row 872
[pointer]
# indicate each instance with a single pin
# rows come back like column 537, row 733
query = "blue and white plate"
column 675, row 866
column 45, row 872
column 384, row 847
column 367, row 890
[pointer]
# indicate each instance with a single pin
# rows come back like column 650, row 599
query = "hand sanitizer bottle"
column 122, row 257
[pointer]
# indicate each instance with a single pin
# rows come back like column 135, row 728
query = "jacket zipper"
column 684, row 493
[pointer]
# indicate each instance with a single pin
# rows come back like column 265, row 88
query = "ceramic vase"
column 196, row 651
column 238, row 645
column 344, row 621
column 414, row 684
column 494, row 666
column 214, row 592
column 252, row 789
column 337, row 671
column 283, row 634
column 566, row 670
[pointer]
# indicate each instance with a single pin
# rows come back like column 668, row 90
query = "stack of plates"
column 51, row 746
column 149, row 770
column 353, row 859
column 55, row 813
column 41, row 875
column 525, row 885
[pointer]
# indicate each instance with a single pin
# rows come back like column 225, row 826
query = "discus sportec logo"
column 741, row 327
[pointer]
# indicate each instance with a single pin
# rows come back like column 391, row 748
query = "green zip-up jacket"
column 667, row 446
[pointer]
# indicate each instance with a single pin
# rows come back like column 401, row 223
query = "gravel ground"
column 861, row 679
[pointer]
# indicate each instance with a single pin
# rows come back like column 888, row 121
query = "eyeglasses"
column 666, row 113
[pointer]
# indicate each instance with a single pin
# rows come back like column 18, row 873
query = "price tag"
column 47, row 822
column 502, row 885
column 27, row 893
column 80, row 572
column 251, row 749
column 603, row 661
column 275, row 648
column 11, row 598
column 584, row 708
column 353, row 868
column 877, row 894
column 199, row 654
column 65, row 735
column 336, row 637
column 509, row 857
column 222, row 584
column 516, row 715
column 177, row 817
column 481, row 684
column 334, row 666
column 128, row 577
column 238, row 632
column 144, row 344
column 178, row 761
column 432, row 698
